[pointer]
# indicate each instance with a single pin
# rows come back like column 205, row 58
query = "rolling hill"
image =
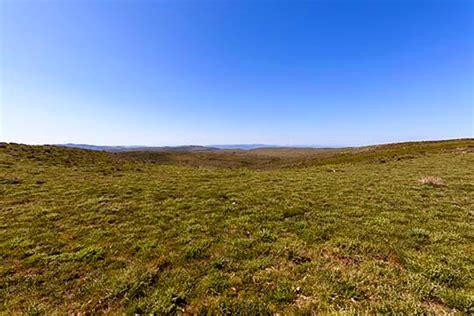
column 378, row 229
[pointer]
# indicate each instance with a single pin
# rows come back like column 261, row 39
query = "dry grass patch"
column 431, row 180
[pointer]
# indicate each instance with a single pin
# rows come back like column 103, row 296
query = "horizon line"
column 245, row 144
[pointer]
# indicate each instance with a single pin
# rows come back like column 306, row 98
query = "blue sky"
column 216, row 72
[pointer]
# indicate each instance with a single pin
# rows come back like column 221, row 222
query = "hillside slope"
column 271, row 158
column 377, row 229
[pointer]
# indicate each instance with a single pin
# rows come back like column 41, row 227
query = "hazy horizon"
column 170, row 73
column 236, row 145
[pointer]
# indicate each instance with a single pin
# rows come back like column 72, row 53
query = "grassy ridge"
column 271, row 158
column 351, row 230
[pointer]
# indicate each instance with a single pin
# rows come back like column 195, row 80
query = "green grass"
column 347, row 230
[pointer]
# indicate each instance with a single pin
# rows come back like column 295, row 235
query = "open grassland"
column 271, row 158
column 377, row 229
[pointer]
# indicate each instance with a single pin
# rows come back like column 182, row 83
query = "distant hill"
column 289, row 157
column 180, row 148
column 245, row 146
column 140, row 148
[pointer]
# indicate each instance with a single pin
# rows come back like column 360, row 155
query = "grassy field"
column 232, row 232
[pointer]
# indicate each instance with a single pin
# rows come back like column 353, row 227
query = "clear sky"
column 223, row 72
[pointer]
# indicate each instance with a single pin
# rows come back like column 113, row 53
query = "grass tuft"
column 431, row 180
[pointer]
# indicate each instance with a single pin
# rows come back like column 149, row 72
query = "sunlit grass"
column 96, row 232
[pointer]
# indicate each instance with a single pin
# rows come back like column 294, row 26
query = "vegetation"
column 376, row 229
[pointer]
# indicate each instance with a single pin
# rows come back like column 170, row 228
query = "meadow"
column 379, row 229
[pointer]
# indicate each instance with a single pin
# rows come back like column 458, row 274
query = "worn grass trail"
column 96, row 232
